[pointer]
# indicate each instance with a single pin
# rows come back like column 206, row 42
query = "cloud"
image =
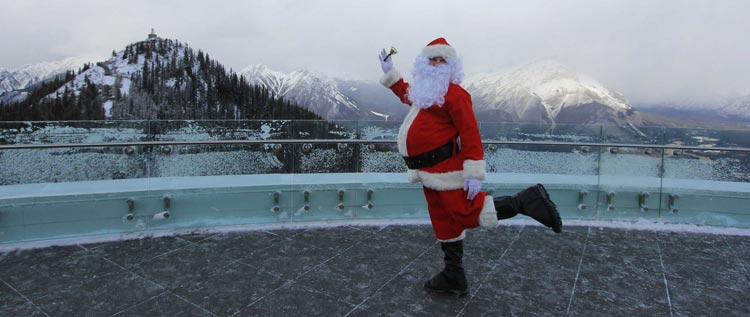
column 651, row 51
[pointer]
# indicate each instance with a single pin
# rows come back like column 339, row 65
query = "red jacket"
column 427, row 129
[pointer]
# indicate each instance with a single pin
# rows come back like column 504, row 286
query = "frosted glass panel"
column 541, row 159
column 380, row 157
column 29, row 166
column 72, row 132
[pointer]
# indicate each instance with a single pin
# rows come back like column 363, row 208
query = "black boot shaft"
column 507, row 206
column 454, row 252
column 452, row 279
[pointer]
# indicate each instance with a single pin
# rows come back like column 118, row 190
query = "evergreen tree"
column 174, row 82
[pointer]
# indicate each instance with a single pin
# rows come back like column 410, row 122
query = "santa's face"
column 437, row 60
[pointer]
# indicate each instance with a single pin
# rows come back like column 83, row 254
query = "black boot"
column 533, row 202
column 452, row 279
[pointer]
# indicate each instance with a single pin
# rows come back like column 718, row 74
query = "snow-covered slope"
column 30, row 74
column 106, row 73
column 117, row 71
column 374, row 98
column 542, row 91
column 316, row 92
column 547, row 91
column 738, row 108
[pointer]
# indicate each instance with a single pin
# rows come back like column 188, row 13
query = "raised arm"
column 392, row 79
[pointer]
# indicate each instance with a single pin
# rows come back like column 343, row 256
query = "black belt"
column 430, row 158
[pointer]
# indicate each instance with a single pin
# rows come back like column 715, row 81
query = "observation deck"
column 236, row 218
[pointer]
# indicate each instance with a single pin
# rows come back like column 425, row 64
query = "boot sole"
column 556, row 221
column 449, row 291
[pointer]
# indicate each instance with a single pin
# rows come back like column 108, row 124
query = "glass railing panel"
column 566, row 170
column 707, row 187
column 629, row 175
column 378, row 157
column 58, row 165
column 324, row 175
column 291, row 176
column 68, row 192
column 329, row 157
column 219, row 159
column 28, row 166
column 204, row 185
column 385, row 170
column 630, row 183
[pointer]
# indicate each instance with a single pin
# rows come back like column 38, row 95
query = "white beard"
column 430, row 83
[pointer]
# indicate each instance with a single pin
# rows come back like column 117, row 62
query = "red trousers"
column 451, row 213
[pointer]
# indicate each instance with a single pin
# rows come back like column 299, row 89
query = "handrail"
column 357, row 141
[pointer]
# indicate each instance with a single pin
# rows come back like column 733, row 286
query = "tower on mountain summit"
column 152, row 35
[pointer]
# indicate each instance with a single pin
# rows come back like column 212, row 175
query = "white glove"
column 473, row 187
column 385, row 63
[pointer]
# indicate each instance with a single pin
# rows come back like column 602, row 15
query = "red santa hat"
column 439, row 47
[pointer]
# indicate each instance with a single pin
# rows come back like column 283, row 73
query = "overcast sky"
column 651, row 51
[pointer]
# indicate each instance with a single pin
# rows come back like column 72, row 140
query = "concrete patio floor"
column 379, row 271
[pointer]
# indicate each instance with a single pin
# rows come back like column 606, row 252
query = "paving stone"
column 166, row 304
column 292, row 300
column 131, row 252
column 332, row 240
column 12, row 304
column 289, row 259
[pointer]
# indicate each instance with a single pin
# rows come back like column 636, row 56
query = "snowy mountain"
column 30, row 74
column 115, row 72
column 542, row 91
column 316, row 92
column 547, row 91
column 152, row 79
column 736, row 108
column 720, row 110
column 377, row 99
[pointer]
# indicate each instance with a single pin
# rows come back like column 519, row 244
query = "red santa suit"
column 426, row 129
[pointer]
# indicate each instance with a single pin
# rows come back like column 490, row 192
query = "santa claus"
column 440, row 142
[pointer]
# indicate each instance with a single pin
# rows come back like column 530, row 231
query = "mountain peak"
column 316, row 92
column 20, row 78
column 543, row 91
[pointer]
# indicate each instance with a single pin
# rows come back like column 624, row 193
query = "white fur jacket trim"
column 442, row 181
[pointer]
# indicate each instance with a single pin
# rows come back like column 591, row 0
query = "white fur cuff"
column 460, row 237
column 474, row 169
column 488, row 216
column 390, row 78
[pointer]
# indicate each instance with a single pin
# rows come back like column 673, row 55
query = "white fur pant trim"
column 460, row 237
column 488, row 216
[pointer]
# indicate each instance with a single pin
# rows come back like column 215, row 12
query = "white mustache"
column 430, row 83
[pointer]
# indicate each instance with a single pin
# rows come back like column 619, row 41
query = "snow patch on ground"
column 640, row 225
